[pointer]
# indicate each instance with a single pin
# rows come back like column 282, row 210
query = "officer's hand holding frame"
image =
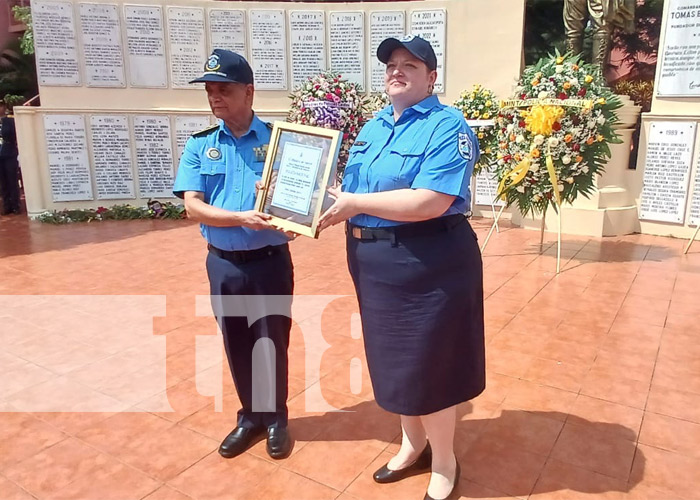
column 300, row 165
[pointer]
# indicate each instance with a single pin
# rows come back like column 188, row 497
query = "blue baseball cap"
column 416, row 45
column 227, row 67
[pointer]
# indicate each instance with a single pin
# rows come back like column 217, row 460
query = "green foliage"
column 644, row 42
column 544, row 29
column 24, row 16
column 640, row 91
column 17, row 74
column 154, row 210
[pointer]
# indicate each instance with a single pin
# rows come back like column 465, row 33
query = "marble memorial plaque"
column 383, row 25
column 69, row 166
column 268, row 47
column 112, row 157
column 667, row 171
column 101, row 38
column 145, row 38
column 486, row 189
column 431, row 25
column 154, row 156
column 188, row 46
column 55, row 44
column 307, row 32
column 347, row 37
column 227, row 30
column 680, row 55
column 185, row 126
column 694, row 218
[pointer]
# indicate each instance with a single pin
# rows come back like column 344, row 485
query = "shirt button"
column 238, row 190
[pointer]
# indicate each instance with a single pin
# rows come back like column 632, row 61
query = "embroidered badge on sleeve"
column 466, row 147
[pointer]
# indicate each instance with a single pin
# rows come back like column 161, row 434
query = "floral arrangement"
column 153, row 210
column 481, row 104
column 555, row 132
column 376, row 102
column 327, row 100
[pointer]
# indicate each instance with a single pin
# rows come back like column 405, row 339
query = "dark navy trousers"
column 252, row 304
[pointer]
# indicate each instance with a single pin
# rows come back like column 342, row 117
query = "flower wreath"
column 327, row 100
column 555, row 132
column 481, row 104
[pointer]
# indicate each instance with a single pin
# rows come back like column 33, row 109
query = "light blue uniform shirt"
column 430, row 147
column 225, row 169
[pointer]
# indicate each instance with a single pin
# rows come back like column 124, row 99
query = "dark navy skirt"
column 422, row 309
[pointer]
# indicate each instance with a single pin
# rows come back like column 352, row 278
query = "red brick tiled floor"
column 111, row 373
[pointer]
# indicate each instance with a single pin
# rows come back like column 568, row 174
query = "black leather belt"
column 243, row 256
column 422, row 228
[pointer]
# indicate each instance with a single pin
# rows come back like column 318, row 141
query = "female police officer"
column 415, row 262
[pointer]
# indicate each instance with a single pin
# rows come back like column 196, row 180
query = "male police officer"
column 247, row 256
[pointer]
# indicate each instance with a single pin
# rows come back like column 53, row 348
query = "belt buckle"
column 357, row 232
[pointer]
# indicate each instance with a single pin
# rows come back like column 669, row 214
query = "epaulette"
column 205, row 131
column 269, row 125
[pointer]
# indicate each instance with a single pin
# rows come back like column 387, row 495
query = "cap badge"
column 212, row 63
column 406, row 38
column 213, row 154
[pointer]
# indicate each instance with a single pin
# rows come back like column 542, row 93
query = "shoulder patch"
column 466, row 146
column 205, row 131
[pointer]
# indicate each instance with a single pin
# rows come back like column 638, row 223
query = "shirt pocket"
column 357, row 157
column 257, row 167
column 403, row 163
column 214, row 174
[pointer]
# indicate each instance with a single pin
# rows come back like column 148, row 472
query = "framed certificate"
column 300, row 165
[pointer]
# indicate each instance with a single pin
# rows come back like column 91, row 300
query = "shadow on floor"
column 513, row 449
column 21, row 236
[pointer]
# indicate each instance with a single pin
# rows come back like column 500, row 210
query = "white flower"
column 559, row 69
column 560, row 187
column 520, row 189
column 534, row 167
column 584, row 169
column 566, row 159
column 543, row 95
column 570, row 180
column 519, row 139
column 601, row 120
column 538, row 140
column 509, row 128
column 553, row 142
column 591, row 124
column 573, row 81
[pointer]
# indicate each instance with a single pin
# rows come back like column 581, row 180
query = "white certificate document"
column 296, row 177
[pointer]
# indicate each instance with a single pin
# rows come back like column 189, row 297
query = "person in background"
column 415, row 262
column 9, row 167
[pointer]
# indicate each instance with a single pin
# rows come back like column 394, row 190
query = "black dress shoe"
column 238, row 441
column 453, row 492
column 386, row 475
column 279, row 445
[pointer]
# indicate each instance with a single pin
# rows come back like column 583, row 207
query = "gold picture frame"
column 300, row 165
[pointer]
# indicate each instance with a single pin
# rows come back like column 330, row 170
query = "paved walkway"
column 593, row 375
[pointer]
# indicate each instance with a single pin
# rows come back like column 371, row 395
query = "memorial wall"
column 667, row 181
column 117, row 108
